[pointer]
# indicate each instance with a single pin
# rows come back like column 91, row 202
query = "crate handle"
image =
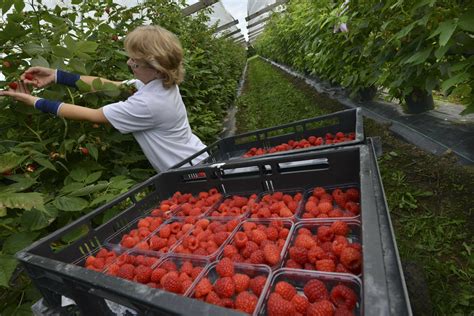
column 251, row 170
column 310, row 164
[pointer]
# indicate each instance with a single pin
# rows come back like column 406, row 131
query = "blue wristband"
column 67, row 78
column 48, row 106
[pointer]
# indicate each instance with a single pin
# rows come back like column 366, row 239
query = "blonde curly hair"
column 160, row 49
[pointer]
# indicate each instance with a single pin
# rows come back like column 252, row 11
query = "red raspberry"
column 187, row 267
column 315, row 290
column 272, row 254
column 203, row 288
column 300, row 303
column 327, row 265
column 325, row 206
column 240, row 239
column 321, row 308
column 299, row 254
column 351, row 258
column 129, row 242
column 230, row 250
column 305, row 241
column 340, row 228
column 143, row 274
column 343, row 311
column 257, row 284
column 242, row 282
column 285, row 289
column 272, row 233
column 157, row 274
column 292, row 264
column 213, row 298
column 249, row 249
column 126, row 271
column 315, row 253
column 258, row 236
column 246, row 302
column 195, row 272
column 341, row 295
column 186, row 284
column 319, row 191
column 339, row 244
column 277, row 306
column 228, row 302
column 220, row 238
column 339, row 197
column 257, row 257
column 353, row 194
column 248, row 226
column 225, row 268
column 169, row 266
column 172, row 283
column 325, row 233
column 352, row 207
column 225, row 287
column 283, row 234
column 340, row 268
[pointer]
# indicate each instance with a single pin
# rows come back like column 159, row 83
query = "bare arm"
column 67, row 110
column 89, row 79
column 80, row 113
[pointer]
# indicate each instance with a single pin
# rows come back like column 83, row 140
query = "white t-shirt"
column 158, row 120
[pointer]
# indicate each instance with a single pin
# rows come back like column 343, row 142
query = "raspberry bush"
column 53, row 171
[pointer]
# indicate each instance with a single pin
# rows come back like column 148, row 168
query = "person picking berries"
column 155, row 114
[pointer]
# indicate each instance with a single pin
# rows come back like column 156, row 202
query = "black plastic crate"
column 234, row 147
column 54, row 274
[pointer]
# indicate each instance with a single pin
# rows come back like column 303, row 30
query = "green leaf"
column 89, row 189
column 61, row 51
column 22, row 183
column 78, row 174
column 404, row 31
column 71, row 187
column 33, row 49
column 93, row 151
column 45, row 163
column 39, row 61
column 97, row 84
column 102, row 199
column 111, row 90
column 7, row 4
column 419, row 57
column 82, row 86
column 93, row 177
column 25, row 201
column 70, row 203
column 7, row 266
column 441, row 51
column 459, row 78
column 86, row 46
column 446, row 31
column 70, row 43
column 38, row 219
column 466, row 21
column 10, row 160
column 78, row 66
column 18, row 241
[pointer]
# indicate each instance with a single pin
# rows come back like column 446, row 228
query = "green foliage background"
column 45, row 180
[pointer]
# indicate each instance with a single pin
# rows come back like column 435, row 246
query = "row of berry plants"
column 408, row 48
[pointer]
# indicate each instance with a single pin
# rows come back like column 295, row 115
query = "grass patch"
column 430, row 197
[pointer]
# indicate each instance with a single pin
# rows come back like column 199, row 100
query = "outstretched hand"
column 39, row 77
column 22, row 94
